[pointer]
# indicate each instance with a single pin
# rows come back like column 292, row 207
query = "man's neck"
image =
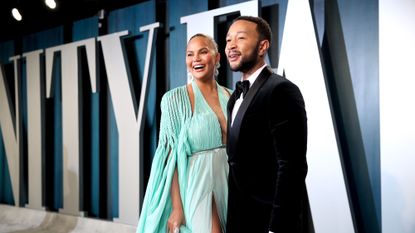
column 247, row 74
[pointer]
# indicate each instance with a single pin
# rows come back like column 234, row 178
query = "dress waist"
column 210, row 149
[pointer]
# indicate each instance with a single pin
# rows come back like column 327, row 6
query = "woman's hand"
column 176, row 219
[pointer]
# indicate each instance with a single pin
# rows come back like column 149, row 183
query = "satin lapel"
column 231, row 103
column 235, row 128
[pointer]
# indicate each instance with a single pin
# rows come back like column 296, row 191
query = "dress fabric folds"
column 192, row 143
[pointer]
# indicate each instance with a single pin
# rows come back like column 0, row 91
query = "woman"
column 187, row 189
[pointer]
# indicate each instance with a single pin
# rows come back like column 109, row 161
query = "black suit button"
column 232, row 163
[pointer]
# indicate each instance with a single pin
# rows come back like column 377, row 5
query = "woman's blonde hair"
column 212, row 42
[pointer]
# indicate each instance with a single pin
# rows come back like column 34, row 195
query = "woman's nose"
column 196, row 57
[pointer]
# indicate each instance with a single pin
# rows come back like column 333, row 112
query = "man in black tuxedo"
column 267, row 139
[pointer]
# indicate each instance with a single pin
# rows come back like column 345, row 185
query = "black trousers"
column 245, row 214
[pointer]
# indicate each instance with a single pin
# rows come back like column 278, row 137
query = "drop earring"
column 216, row 73
column 189, row 77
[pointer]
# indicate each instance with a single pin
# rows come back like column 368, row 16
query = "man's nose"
column 230, row 44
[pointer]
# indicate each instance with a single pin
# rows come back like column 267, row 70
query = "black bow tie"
column 241, row 87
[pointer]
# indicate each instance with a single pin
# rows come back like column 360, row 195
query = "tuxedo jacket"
column 266, row 147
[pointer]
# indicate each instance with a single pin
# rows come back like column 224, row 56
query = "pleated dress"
column 192, row 143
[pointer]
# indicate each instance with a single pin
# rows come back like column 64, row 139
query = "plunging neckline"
column 198, row 92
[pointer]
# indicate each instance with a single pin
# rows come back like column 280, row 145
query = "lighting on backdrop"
column 50, row 3
column 16, row 14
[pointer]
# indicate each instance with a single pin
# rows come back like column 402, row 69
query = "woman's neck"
column 206, row 85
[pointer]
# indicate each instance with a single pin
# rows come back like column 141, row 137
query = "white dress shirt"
column 238, row 102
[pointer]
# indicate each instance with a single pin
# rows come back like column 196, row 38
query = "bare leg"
column 215, row 218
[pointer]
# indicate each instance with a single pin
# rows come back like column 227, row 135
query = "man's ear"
column 263, row 47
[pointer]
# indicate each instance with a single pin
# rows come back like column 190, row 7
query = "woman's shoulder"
column 174, row 97
column 227, row 90
column 174, row 93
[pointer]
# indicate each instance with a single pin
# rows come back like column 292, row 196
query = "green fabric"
column 182, row 134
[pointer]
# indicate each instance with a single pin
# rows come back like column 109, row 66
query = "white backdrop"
column 397, row 114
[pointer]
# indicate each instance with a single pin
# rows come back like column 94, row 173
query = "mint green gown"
column 192, row 142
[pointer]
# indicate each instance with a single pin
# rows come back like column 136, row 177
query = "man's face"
column 242, row 43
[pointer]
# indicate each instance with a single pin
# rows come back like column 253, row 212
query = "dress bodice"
column 204, row 131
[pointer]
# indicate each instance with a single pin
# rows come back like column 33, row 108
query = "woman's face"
column 201, row 58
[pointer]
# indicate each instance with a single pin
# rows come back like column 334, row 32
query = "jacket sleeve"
column 289, row 135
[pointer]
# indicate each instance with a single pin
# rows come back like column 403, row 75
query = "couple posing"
column 254, row 184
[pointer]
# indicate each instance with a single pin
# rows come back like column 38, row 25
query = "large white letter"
column 11, row 131
column 70, row 115
column 129, row 125
column 204, row 22
column 325, row 181
column 397, row 114
column 35, row 138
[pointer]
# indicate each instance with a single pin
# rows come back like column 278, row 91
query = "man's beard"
column 247, row 63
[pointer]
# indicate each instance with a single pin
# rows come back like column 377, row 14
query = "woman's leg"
column 215, row 218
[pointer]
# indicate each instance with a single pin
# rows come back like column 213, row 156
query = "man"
column 267, row 138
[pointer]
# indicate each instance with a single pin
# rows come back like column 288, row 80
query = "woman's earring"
column 216, row 73
column 189, row 77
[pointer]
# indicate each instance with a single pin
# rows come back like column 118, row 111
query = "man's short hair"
column 262, row 27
